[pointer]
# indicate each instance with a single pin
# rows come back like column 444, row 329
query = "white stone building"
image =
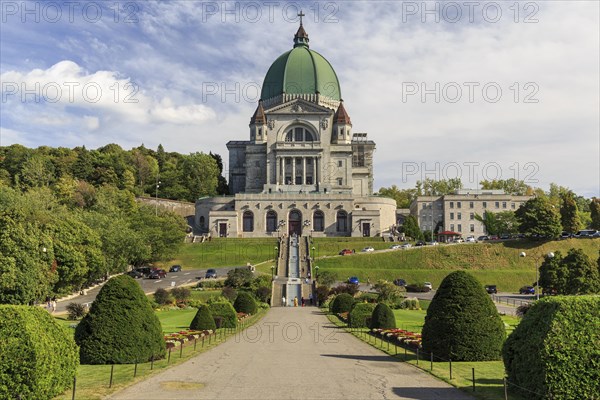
column 302, row 170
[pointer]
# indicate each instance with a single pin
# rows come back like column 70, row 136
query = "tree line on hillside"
column 54, row 242
column 139, row 170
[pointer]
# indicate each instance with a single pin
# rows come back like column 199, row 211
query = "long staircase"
column 293, row 279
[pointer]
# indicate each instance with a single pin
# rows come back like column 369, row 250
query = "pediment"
column 299, row 106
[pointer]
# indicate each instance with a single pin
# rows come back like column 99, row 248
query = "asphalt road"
column 293, row 353
column 183, row 278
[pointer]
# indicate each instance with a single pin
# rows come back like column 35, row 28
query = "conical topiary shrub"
column 342, row 303
column 225, row 312
column 38, row 357
column 121, row 327
column 383, row 317
column 203, row 320
column 245, row 303
column 360, row 316
column 462, row 322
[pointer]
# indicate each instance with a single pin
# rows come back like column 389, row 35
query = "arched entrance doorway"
column 295, row 223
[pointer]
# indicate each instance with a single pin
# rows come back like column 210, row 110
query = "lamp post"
column 316, row 273
column 537, row 272
column 313, row 252
column 272, row 272
column 156, row 195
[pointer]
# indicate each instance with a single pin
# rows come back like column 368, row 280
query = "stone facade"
column 302, row 170
column 456, row 212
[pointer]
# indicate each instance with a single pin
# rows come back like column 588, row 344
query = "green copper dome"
column 301, row 71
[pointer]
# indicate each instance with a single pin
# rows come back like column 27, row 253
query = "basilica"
column 303, row 170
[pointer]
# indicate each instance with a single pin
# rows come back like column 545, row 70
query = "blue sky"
column 517, row 86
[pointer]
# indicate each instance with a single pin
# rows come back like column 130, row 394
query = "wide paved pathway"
column 293, row 353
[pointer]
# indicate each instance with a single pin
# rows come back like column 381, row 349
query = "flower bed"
column 400, row 336
column 242, row 316
column 179, row 338
column 343, row 316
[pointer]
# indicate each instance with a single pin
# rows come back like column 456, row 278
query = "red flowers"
column 401, row 336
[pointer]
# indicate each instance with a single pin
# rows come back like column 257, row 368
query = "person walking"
column 302, row 301
column 295, row 301
column 283, row 301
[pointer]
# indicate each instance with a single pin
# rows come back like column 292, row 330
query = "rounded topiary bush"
column 245, row 303
column 38, row 357
column 121, row 327
column 383, row 317
column 360, row 315
column 341, row 304
column 203, row 320
column 462, row 323
column 224, row 312
column 554, row 353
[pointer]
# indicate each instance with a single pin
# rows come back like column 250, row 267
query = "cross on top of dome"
column 301, row 37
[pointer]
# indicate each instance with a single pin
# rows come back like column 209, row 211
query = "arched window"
column 318, row 221
column 248, row 221
column 299, row 135
column 342, row 221
column 271, row 221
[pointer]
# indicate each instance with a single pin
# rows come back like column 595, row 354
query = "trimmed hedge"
column 341, row 304
column 225, row 312
column 38, row 357
column 360, row 315
column 554, row 352
column 121, row 327
column 245, row 303
column 203, row 320
column 383, row 317
column 462, row 323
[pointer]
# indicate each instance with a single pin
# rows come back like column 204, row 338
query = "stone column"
column 277, row 170
column 304, row 170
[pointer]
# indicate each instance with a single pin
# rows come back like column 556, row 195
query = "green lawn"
column 491, row 263
column 225, row 253
column 413, row 320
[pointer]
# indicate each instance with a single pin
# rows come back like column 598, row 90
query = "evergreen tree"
column 584, row 277
column 553, row 274
column 569, row 216
column 383, row 317
column 203, row 320
column 462, row 322
column 595, row 213
column 411, row 228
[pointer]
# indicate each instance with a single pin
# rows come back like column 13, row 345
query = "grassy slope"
column 491, row 263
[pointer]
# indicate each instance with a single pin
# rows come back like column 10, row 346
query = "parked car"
column 353, row 280
column 471, row 239
column 175, row 268
column 458, row 240
column 428, row 285
column 135, row 274
column 144, row 270
column 527, row 290
column 395, row 247
column 586, row 233
column 367, row 249
column 433, row 243
column 491, row 289
column 480, row 238
column 420, row 243
column 345, row 252
column 493, row 237
column 505, row 236
column 210, row 273
column 399, row 282
column 157, row 274
column 406, row 246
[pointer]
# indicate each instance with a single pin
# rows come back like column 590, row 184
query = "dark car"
column 144, row 270
column 135, row 274
column 419, row 243
column 157, row 274
column 353, row 280
column 480, row 238
column 345, row 252
column 527, row 290
column 399, row 282
column 210, row 273
column 175, row 268
column 491, row 289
